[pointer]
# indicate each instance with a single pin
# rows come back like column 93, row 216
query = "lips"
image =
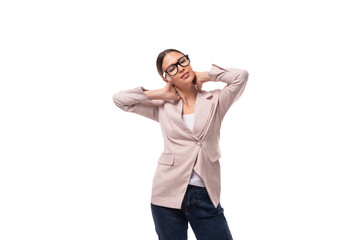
column 182, row 76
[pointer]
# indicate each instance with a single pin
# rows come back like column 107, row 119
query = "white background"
column 74, row 166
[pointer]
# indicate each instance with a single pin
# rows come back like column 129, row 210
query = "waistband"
column 194, row 186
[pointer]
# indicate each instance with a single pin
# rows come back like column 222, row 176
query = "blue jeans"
column 207, row 222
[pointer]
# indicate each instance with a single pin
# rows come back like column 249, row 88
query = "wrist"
column 153, row 94
column 205, row 76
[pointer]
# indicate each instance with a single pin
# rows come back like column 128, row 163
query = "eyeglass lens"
column 172, row 70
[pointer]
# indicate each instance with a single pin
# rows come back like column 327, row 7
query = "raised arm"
column 136, row 101
column 235, row 79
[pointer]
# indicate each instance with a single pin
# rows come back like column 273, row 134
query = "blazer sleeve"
column 235, row 79
column 136, row 101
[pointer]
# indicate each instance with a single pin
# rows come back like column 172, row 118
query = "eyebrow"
column 174, row 62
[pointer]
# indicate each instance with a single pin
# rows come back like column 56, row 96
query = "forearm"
column 230, row 76
column 153, row 94
column 137, row 101
column 204, row 77
column 127, row 98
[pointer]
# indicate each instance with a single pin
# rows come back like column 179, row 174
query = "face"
column 177, row 79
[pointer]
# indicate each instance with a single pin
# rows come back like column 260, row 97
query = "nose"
column 181, row 68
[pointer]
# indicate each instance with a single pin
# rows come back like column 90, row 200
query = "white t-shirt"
column 195, row 178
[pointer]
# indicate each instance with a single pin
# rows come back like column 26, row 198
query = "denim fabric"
column 207, row 222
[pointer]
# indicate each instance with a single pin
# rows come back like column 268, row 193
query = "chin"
column 191, row 77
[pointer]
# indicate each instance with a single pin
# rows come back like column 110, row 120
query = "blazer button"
column 198, row 143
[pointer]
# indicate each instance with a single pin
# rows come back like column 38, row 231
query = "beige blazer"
column 185, row 149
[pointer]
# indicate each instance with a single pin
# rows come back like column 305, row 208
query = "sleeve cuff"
column 214, row 72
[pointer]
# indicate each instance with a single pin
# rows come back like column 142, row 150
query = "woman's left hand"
column 200, row 78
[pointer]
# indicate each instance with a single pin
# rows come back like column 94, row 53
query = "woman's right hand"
column 169, row 92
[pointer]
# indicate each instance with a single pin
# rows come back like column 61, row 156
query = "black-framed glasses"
column 173, row 68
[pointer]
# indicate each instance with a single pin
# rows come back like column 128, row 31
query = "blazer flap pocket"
column 167, row 159
column 214, row 154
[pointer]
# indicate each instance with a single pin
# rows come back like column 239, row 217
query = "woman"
column 186, row 185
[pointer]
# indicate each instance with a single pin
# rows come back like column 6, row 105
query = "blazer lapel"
column 203, row 113
column 203, row 108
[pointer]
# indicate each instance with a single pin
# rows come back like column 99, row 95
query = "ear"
column 167, row 79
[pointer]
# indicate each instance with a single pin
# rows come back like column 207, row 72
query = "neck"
column 188, row 94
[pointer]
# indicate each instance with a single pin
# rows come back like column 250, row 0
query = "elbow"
column 117, row 100
column 120, row 101
column 241, row 77
column 245, row 75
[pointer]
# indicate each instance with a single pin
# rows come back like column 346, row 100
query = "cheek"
column 192, row 74
column 177, row 79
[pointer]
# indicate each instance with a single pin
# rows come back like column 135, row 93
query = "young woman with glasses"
column 186, row 186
